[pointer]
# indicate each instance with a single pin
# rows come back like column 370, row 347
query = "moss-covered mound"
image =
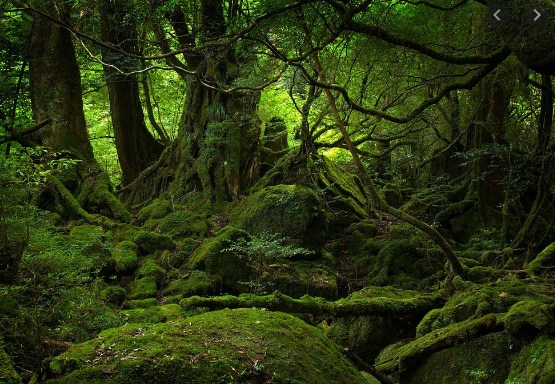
column 229, row 346
column 544, row 262
column 288, row 210
column 535, row 364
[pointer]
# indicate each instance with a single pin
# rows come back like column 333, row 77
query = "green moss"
column 158, row 209
column 298, row 278
column 530, row 317
column 366, row 227
column 535, row 364
column 288, row 210
column 113, row 295
column 143, row 288
column 229, row 346
column 392, row 195
column 125, row 256
column 402, row 231
column 150, row 242
column 544, row 262
column 147, row 315
column 8, row 375
column 405, row 263
column 483, row 360
column 142, row 303
column 150, row 268
column 122, row 232
column 196, row 283
column 183, row 224
column 87, row 234
column 215, row 257
column 367, row 335
column 172, row 311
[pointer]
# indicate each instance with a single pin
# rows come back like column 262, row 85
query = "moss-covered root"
column 72, row 204
column 97, row 192
column 379, row 306
column 417, row 350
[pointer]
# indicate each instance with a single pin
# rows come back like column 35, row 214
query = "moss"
column 477, row 300
column 158, row 209
column 149, row 242
column 292, row 211
column 392, row 195
column 8, row 375
column 529, row 318
column 143, row 288
column 172, row 311
column 405, row 263
column 125, row 257
column 196, row 283
column 367, row 335
column 298, row 278
column 183, row 224
column 483, row 360
column 113, row 295
column 122, row 232
column 244, row 345
column 148, row 315
column 142, row 303
column 214, row 257
column 401, row 231
column 150, row 268
column 87, row 234
column 535, row 364
column 544, row 262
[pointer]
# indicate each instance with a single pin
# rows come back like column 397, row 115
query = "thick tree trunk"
column 55, row 84
column 217, row 147
column 136, row 147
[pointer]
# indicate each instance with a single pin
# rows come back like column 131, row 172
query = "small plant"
column 262, row 250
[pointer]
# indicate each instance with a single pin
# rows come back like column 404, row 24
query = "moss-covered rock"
column 87, row 234
column 149, row 242
column 125, row 257
column 158, row 209
column 149, row 268
column 215, row 257
column 243, row 345
column 298, row 278
column 367, row 335
column 544, row 262
column 288, row 210
column 113, row 294
column 182, row 224
column 535, row 363
column 143, row 288
column 178, row 257
column 141, row 303
column 529, row 318
column 8, row 375
column 405, row 263
column 195, row 283
column 143, row 315
column 483, row 360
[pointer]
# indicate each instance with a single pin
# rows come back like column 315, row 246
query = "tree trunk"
column 55, row 85
column 136, row 147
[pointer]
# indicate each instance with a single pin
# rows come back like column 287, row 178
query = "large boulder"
column 229, row 346
column 288, row 210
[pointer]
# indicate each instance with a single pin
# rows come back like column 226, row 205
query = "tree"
column 136, row 147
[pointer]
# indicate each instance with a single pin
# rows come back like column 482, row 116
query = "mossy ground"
column 229, row 346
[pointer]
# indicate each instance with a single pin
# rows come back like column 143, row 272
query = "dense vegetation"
column 242, row 191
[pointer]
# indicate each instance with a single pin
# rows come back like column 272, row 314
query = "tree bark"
column 136, row 147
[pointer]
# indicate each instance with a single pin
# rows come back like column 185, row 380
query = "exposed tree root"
column 419, row 349
column 379, row 306
column 73, row 204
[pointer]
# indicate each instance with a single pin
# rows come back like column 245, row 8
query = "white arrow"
column 538, row 15
column 496, row 13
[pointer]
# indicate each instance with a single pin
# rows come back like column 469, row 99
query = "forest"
column 277, row 191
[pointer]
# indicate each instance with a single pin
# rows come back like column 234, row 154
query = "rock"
column 143, row 288
column 197, row 283
column 291, row 211
column 149, row 242
column 113, row 295
column 242, row 345
column 150, row 268
column 87, row 234
column 535, row 364
column 125, row 256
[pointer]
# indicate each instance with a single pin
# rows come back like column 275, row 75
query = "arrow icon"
column 538, row 15
column 497, row 13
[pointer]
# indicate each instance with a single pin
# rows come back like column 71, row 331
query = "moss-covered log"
column 314, row 305
column 417, row 350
